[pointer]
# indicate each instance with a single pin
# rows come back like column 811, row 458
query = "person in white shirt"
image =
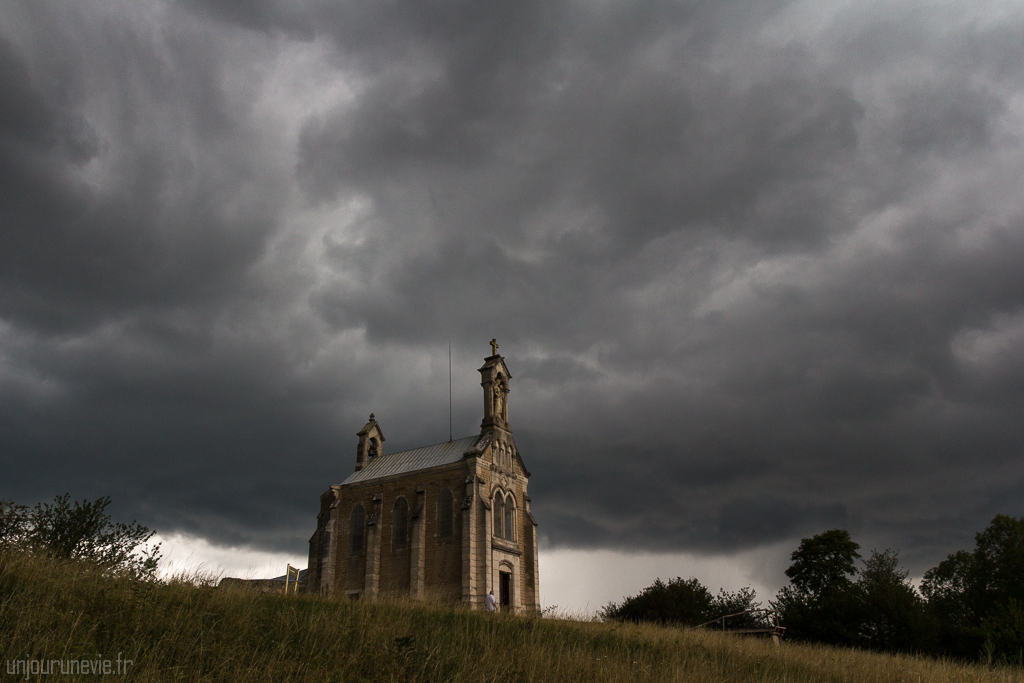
column 490, row 601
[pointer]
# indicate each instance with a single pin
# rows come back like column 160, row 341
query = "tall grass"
column 185, row 629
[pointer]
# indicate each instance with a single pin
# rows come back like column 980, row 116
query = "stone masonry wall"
column 442, row 567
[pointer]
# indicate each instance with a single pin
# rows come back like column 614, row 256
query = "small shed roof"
column 444, row 453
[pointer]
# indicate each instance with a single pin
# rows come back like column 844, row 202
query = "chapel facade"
column 449, row 521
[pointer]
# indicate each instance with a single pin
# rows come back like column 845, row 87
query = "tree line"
column 971, row 606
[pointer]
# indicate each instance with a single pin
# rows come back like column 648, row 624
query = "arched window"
column 498, row 510
column 510, row 518
column 445, row 523
column 356, row 530
column 400, row 524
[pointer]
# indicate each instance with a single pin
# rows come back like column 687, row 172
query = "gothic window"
column 445, row 522
column 498, row 510
column 400, row 524
column 357, row 530
column 510, row 514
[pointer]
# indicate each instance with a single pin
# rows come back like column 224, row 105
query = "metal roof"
column 444, row 453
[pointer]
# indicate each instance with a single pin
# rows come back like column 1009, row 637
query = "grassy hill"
column 183, row 630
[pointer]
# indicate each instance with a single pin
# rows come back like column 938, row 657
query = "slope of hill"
column 55, row 615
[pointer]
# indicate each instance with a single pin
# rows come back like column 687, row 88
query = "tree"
column 949, row 591
column 676, row 602
column 821, row 604
column 824, row 563
column 79, row 531
column 978, row 596
column 892, row 616
column 999, row 561
column 1003, row 631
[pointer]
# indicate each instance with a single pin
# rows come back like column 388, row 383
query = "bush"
column 676, row 602
column 79, row 531
column 686, row 603
column 742, row 603
column 14, row 524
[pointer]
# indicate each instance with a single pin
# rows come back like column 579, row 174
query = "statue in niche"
column 498, row 396
column 373, row 450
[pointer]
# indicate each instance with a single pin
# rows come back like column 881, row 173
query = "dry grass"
column 184, row 629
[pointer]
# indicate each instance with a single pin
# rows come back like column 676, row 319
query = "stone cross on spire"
column 494, row 347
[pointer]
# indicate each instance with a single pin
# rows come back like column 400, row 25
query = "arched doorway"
column 505, row 588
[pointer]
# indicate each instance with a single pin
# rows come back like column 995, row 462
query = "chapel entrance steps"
column 765, row 624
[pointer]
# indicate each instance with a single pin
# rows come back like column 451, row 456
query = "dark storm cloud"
column 101, row 221
column 754, row 267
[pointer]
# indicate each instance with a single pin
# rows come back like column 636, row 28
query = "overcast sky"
column 757, row 268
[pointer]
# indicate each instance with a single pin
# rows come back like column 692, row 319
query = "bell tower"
column 371, row 443
column 494, row 378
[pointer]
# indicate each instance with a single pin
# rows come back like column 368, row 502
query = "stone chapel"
column 449, row 521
